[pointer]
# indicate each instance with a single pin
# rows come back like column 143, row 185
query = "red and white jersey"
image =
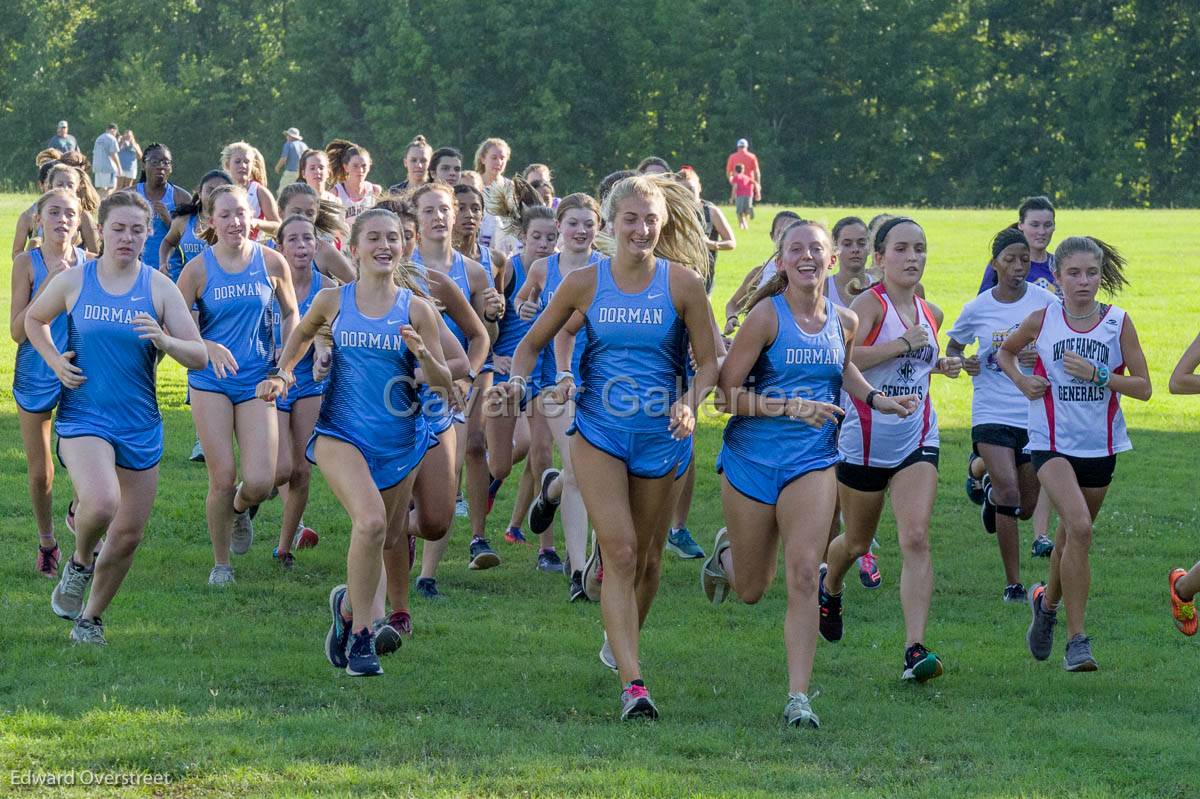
column 1077, row 417
column 870, row 438
column 356, row 207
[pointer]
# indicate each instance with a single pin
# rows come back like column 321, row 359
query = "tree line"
column 921, row 102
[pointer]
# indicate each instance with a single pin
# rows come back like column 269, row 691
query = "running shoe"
column 575, row 592
column 305, row 537
column 830, row 624
column 221, row 575
column 363, row 660
column 1040, row 635
column 682, row 544
column 606, row 656
column 88, row 631
column 974, row 487
column 541, row 513
column 401, row 620
column 493, row 490
column 868, row 571
column 482, row 554
column 197, row 455
column 548, row 561
column 338, row 636
column 460, row 506
column 243, row 532
column 713, row 580
column 67, row 598
column 427, row 589
column 513, row 535
column 1184, row 612
column 1042, row 547
column 47, row 561
column 920, row 664
column 70, row 519
column 387, row 637
column 593, row 574
column 287, row 561
column 1079, row 654
column 799, row 713
column 636, row 703
column 1015, row 593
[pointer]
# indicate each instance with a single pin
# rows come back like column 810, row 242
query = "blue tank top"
column 458, row 273
column 190, row 245
column 158, row 230
column 31, row 373
column 370, row 399
column 635, row 360
column 119, row 393
column 797, row 364
column 512, row 328
column 235, row 310
column 554, row 279
column 304, row 367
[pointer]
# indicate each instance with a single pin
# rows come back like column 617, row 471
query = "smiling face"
column 231, row 218
column 1012, row 266
column 1038, row 227
column 435, row 215
column 449, row 170
column 379, row 245
column 316, row 171
column 540, row 239
column 903, row 255
column 577, row 230
column 851, row 247
column 59, row 218
column 637, row 224
column 299, row 244
column 124, row 233
column 805, row 255
column 1079, row 277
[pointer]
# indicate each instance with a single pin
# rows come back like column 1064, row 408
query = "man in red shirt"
column 749, row 162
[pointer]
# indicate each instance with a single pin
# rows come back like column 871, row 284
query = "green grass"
column 500, row 692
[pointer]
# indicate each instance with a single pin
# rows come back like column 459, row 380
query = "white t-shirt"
column 985, row 320
column 106, row 146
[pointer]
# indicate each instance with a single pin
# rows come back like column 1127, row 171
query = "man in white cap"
column 62, row 141
column 749, row 162
column 289, row 158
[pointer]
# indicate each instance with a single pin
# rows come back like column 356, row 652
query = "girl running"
column 163, row 197
column 185, row 238
column 782, row 380
column 896, row 348
column 491, row 158
column 351, row 163
column 110, row 433
column 36, row 387
column 1184, row 585
column 446, row 166
column 416, row 164
column 326, row 215
column 717, row 233
column 232, row 284
column 999, row 412
column 371, row 436
column 1088, row 357
column 57, row 175
column 246, row 166
column 314, row 172
column 632, row 421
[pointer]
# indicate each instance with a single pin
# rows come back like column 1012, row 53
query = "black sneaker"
column 974, row 487
column 541, row 514
column 1042, row 547
column 427, row 589
column 1015, row 593
column 920, row 664
column 339, row 629
column 362, row 661
column 548, row 561
column 575, row 592
column 482, row 554
column 387, row 638
column 831, row 610
column 1040, row 635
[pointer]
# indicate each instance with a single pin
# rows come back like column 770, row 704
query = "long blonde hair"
column 680, row 238
column 258, row 165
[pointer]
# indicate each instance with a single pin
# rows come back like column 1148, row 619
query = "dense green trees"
column 943, row 102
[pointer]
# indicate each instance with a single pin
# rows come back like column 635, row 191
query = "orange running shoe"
column 1184, row 612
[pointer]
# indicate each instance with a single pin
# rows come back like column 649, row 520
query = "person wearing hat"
column 749, row 162
column 289, row 158
column 105, row 164
column 62, row 141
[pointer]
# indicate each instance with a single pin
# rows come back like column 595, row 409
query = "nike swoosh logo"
column 654, row 296
column 135, row 299
column 393, row 321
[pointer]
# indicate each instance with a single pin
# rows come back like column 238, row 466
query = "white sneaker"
column 221, row 575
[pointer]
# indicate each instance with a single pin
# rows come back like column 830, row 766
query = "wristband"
column 1102, row 375
column 908, row 347
column 519, row 380
column 564, row 375
column 871, row 395
column 472, row 374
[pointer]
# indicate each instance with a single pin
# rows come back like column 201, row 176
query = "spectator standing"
column 105, row 164
column 289, row 158
column 749, row 162
column 62, row 141
column 741, row 192
column 129, row 155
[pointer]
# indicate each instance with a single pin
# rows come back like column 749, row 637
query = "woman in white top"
column 1088, row 356
column 351, row 163
column 491, row 158
column 896, row 349
column 999, row 412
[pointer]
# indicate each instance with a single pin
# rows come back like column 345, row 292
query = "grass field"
column 500, row 692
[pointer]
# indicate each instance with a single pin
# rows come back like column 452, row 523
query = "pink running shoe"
column 868, row 571
column 47, row 561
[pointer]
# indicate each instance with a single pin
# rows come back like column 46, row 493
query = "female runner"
column 163, row 197
column 246, row 166
column 326, row 216
column 445, row 166
column 351, row 163
column 185, row 238
column 314, row 171
column 57, row 175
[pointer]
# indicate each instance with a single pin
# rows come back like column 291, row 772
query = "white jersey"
column 986, row 320
column 870, row 438
column 356, row 207
column 256, row 211
column 1075, row 417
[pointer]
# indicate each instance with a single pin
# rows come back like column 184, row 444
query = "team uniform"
column 1075, row 419
column 999, row 411
column 762, row 455
column 304, row 386
column 554, row 278
column 36, row 388
column 1041, row 274
column 256, row 209
column 875, row 446
column 190, row 245
column 633, row 368
column 512, row 328
column 371, row 401
column 158, row 231
column 355, row 207
column 438, row 410
column 117, row 402
column 235, row 311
